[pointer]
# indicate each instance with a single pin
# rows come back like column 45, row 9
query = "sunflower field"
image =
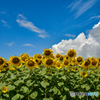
column 49, row 76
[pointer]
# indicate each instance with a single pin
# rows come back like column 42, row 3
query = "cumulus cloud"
column 10, row 44
column 29, row 25
column 28, row 45
column 86, row 47
column 69, row 35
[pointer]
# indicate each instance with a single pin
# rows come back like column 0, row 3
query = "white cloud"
column 5, row 23
column 85, row 47
column 28, row 45
column 69, row 35
column 10, row 44
column 29, row 25
column 81, row 7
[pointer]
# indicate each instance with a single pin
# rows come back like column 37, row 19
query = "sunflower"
column 12, row 68
column 49, row 62
column 52, row 56
column 99, row 60
column 20, row 65
column 79, row 59
column 47, row 52
column 31, row 63
column 4, row 89
column 14, row 60
column 39, row 62
column 84, row 74
column 66, row 57
column 58, row 65
column 57, row 55
column 7, row 65
column 35, row 56
column 73, row 69
column 61, row 58
column 94, row 63
column 93, row 58
column 39, row 56
column 2, row 62
column 86, row 64
column 71, row 53
column 66, row 63
column 24, row 57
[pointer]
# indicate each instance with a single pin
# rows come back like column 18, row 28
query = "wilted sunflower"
column 86, row 64
column 31, row 63
column 4, row 89
column 58, row 65
column 94, row 63
column 66, row 63
column 71, row 53
column 7, row 65
column 14, row 60
column 79, row 59
column 57, row 55
column 24, row 57
column 2, row 62
column 84, row 74
column 49, row 62
column 47, row 52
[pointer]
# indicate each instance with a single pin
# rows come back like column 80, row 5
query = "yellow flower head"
column 4, row 89
column 84, row 74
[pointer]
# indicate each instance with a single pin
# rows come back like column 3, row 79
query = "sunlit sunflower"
column 86, row 64
column 4, row 89
column 58, row 65
column 20, row 65
column 39, row 56
column 7, row 65
column 73, row 69
column 12, row 68
column 66, row 63
column 2, row 62
column 52, row 56
column 24, row 57
column 49, row 62
column 47, row 52
column 71, row 53
column 79, row 59
column 31, row 63
column 61, row 58
column 83, row 74
column 14, row 60
column 57, row 55
column 38, row 61
column 94, row 63
column 48, row 72
column 99, row 60
column 93, row 58
column 1, row 69
column 66, row 57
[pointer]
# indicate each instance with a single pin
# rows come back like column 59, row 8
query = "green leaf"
column 60, row 83
column 10, row 87
column 55, row 90
column 2, row 84
column 96, row 80
column 6, row 95
column 29, row 83
column 18, row 82
column 24, row 89
column 64, row 77
column 34, row 95
column 64, row 97
column 44, row 84
column 48, row 98
column 13, row 76
column 16, row 97
column 66, row 89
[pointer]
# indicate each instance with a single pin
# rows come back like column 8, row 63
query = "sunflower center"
column 99, row 60
column 65, row 62
column 30, row 63
column 71, row 53
column 1, row 61
column 15, row 60
column 94, row 62
column 47, row 53
column 61, row 58
column 58, row 65
column 49, row 62
column 79, row 59
column 87, row 63
column 84, row 73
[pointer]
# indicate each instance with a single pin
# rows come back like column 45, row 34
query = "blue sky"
column 29, row 26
